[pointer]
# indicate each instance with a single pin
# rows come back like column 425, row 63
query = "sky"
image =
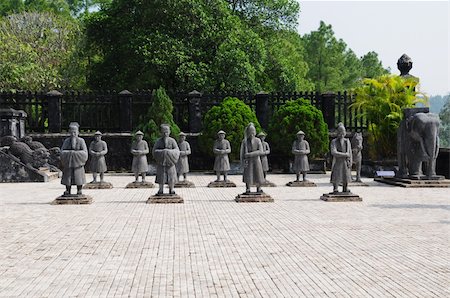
column 419, row 29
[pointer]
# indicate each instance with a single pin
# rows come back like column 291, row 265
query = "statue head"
column 98, row 136
column 40, row 157
column 27, row 139
column 341, row 132
column 165, row 130
column 404, row 64
column 250, row 131
column 74, row 129
column 182, row 136
column 139, row 135
column 221, row 135
column 300, row 135
column 262, row 136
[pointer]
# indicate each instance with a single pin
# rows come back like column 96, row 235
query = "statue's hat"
column 97, row 133
column 262, row 134
column 182, row 134
column 221, row 132
column 300, row 132
column 139, row 133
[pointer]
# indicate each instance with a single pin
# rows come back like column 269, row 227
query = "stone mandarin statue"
column 341, row 150
column 74, row 155
column 266, row 151
column 139, row 149
column 166, row 153
column 221, row 149
column 251, row 152
column 357, row 146
column 97, row 150
column 185, row 151
column 300, row 149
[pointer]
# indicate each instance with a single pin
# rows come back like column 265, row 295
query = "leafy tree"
column 231, row 116
column 381, row 101
column 11, row 6
column 444, row 133
column 371, row 66
column 297, row 115
column 79, row 7
column 39, row 56
column 159, row 112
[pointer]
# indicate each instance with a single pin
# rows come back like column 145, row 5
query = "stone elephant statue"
column 418, row 144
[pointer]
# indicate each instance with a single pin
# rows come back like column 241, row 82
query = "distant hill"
column 437, row 102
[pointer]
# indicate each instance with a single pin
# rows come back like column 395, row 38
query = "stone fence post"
column 54, row 111
column 126, row 111
column 195, row 113
column 328, row 109
column 262, row 109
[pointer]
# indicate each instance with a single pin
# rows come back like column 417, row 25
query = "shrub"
column 159, row 112
column 231, row 116
column 297, row 115
column 381, row 101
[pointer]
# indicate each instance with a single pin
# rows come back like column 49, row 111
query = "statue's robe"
column 264, row 160
column 342, row 161
column 253, row 170
column 73, row 158
column 301, row 163
column 98, row 163
column 183, row 163
column 221, row 162
column 140, row 164
column 166, row 154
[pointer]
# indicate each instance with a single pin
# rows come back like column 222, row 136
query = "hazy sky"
column 418, row 28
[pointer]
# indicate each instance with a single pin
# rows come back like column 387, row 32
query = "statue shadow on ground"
column 411, row 206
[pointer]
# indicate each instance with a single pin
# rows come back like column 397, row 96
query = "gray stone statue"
column 404, row 64
column 300, row 149
column 166, row 153
column 251, row 151
column 139, row 149
column 185, row 151
column 74, row 155
column 357, row 146
column 266, row 151
column 97, row 151
column 341, row 150
column 221, row 149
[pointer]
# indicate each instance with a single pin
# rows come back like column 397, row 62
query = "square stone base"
column 438, row 181
column 341, row 197
column 184, row 184
column 254, row 197
column 145, row 184
column 306, row 183
column 73, row 200
column 222, row 183
column 165, row 199
column 98, row 185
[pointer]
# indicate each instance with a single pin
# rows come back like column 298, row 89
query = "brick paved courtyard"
column 393, row 244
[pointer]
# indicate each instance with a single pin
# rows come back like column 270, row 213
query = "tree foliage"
column 444, row 133
column 381, row 101
column 38, row 51
column 231, row 116
column 297, row 115
column 159, row 112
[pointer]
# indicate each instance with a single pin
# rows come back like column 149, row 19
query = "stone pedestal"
column 73, row 200
column 165, row 199
column 98, row 185
column 145, row 184
column 340, row 197
column 222, row 183
column 184, row 184
column 254, row 197
column 436, row 181
column 306, row 183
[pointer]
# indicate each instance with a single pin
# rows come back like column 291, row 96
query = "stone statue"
column 404, row 64
column 32, row 144
column 98, row 150
column 417, row 144
column 266, row 151
column 221, row 149
column 251, row 150
column 74, row 155
column 341, row 150
column 166, row 153
column 357, row 146
column 300, row 149
column 139, row 149
column 185, row 151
